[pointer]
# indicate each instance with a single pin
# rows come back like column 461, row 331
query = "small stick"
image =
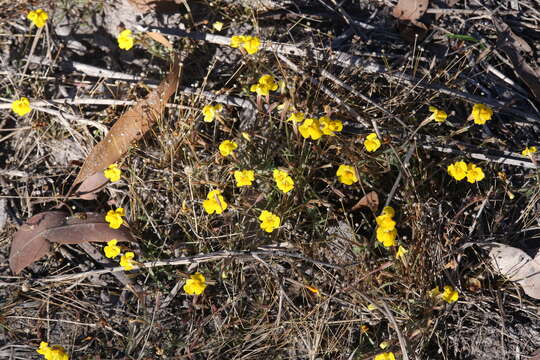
column 196, row 259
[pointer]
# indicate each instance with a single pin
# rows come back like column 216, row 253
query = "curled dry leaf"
column 160, row 38
column 130, row 127
column 32, row 241
column 92, row 185
column 410, row 10
column 370, row 200
column 517, row 266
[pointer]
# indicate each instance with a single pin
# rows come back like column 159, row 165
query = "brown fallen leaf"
column 32, row 241
column 370, row 200
column 130, row 127
column 512, row 45
column 92, row 185
column 410, row 10
column 517, row 266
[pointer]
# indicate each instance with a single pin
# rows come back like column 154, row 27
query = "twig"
column 400, row 175
column 350, row 61
column 196, row 259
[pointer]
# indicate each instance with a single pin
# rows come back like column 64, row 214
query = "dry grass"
column 262, row 307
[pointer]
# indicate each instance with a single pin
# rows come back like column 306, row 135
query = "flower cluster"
column 55, row 352
column 38, row 17
column 114, row 218
column 346, row 174
column 210, row 111
column 529, row 150
column 112, row 250
column 265, row 84
column 283, row 181
column 461, row 170
column 386, row 227
column 315, row 128
column 372, row 142
column 195, row 285
column 449, row 294
column 250, row 43
column 125, row 40
column 113, row 173
column 21, row 107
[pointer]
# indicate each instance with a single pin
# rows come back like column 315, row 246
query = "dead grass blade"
column 131, row 126
column 32, row 241
column 512, row 45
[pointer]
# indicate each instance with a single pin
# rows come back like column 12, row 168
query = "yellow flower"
column 227, row 147
column 330, row 126
column 385, row 356
column 296, row 117
column 210, row 111
column 450, row 295
column 113, row 173
column 481, row 113
column 195, row 285
column 364, row 329
column 313, row 289
column 401, row 252
column 114, row 218
column 244, row 177
column 269, row 221
column 38, row 17
column 125, row 40
column 346, row 174
column 237, row 41
column 264, row 86
column 55, row 352
column 21, row 107
column 283, row 181
column 372, row 142
column 311, row 128
column 529, row 151
column 126, row 261
column 435, row 292
column 218, row 25
column 474, row 173
column 387, row 238
column 214, row 202
column 438, row 115
column 458, row 170
column 385, row 222
column 112, row 250
column 371, row 307
column 388, row 210
column 250, row 43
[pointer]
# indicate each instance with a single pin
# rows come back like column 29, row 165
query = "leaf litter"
column 33, row 239
column 130, row 127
